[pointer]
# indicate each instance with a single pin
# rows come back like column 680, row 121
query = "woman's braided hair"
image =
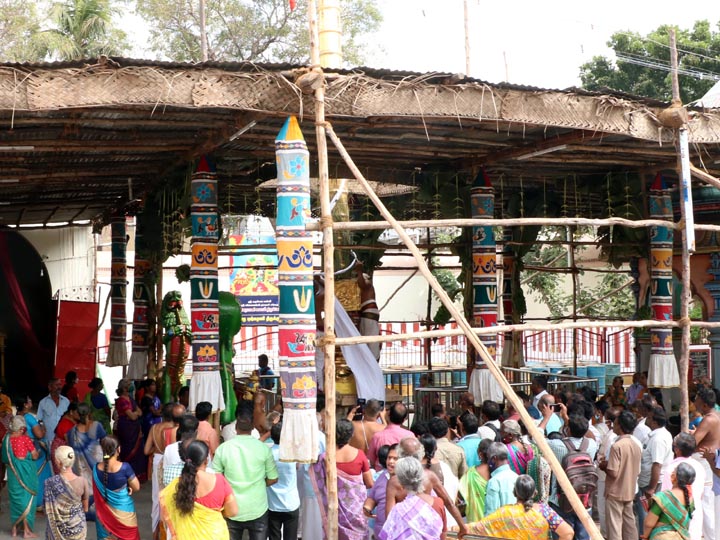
column 109, row 447
column 685, row 475
column 525, row 490
column 196, row 454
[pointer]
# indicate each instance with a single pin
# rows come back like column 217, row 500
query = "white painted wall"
column 69, row 257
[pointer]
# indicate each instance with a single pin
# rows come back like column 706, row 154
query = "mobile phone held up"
column 360, row 410
column 555, row 407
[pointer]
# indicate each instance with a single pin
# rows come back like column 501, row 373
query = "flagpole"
column 328, row 342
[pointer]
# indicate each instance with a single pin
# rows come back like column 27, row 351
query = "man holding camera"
column 550, row 422
column 370, row 422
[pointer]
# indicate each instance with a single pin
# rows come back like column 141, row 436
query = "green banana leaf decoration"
column 230, row 324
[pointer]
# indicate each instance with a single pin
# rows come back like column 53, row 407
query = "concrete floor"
column 143, row 505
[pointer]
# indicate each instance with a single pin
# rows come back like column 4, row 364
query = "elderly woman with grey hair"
column 416, row 517
column 671, row 511
column 18, row 453
column 520, row 454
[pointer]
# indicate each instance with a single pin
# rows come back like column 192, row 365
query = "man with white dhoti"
column 155, row 447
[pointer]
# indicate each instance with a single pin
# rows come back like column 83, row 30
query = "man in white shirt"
column 643, row 408
column 657, row 452
column 51, row 408
column 538, row 387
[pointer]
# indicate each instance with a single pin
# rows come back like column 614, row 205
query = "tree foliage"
column 249, row 30
column 18, row 23
column 81, row 29
column 698, row 51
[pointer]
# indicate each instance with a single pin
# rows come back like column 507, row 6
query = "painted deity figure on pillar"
column 482, row 383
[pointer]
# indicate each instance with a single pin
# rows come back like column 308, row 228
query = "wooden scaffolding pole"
column 328, row 342
column 524, row 327
column 509, row 222
column 688, row 238
column 462, row 322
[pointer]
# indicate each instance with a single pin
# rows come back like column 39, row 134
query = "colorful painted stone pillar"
column 663, row 369
column 117, row 352
column 141, row 299
column 512, row 349
column 482, row 384
column 205, row 384
column 296, row 331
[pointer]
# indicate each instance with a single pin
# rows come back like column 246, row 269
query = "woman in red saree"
column 67, row 422
column 129, row 430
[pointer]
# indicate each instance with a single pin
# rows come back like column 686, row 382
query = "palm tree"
column 82, row 29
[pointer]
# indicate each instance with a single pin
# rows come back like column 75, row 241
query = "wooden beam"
column 504, row 155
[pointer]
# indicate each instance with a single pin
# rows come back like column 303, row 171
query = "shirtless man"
column 369, row 312
column 155, row 447
column 707, row 434
column 411, row 447
column 367, row 426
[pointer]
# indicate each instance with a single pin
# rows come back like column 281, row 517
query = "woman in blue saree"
column 113, row 483
column 36, row 432
column 18, row 453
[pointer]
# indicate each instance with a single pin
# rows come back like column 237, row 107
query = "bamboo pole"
column 508, row 222
column 688, row 239
column 467, row 37
column 575, row 287
column 328, row 342
column 529, row 327
column 705, row 177
column 511, row 222
column 510, row 395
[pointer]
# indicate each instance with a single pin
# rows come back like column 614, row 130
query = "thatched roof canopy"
column 77, row 139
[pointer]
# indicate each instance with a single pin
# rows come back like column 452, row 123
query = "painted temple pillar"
column 663, row 369
column 485, row 307
column 713, row 287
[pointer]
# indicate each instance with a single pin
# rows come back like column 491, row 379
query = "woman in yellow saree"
column 524, row 520
column 194, row 506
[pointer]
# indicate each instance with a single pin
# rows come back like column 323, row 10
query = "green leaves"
column 250, row 30
column 642, row 65
column 80, row 29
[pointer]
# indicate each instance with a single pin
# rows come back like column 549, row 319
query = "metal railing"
column 519, row 379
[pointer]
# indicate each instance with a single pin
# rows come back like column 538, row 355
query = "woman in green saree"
column 473, row 485
column 18, row 453
column 671, row 510
column 99, row 404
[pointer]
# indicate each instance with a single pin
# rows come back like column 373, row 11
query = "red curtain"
column 34, row 349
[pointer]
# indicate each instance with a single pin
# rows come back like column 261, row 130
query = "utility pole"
column 203, row 33
column 467, row 38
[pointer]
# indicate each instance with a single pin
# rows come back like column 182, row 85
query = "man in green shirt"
column 249, row 467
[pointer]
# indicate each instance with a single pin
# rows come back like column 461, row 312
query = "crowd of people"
column 470, row 468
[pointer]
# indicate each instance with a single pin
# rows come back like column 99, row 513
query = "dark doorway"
column 25, row 297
